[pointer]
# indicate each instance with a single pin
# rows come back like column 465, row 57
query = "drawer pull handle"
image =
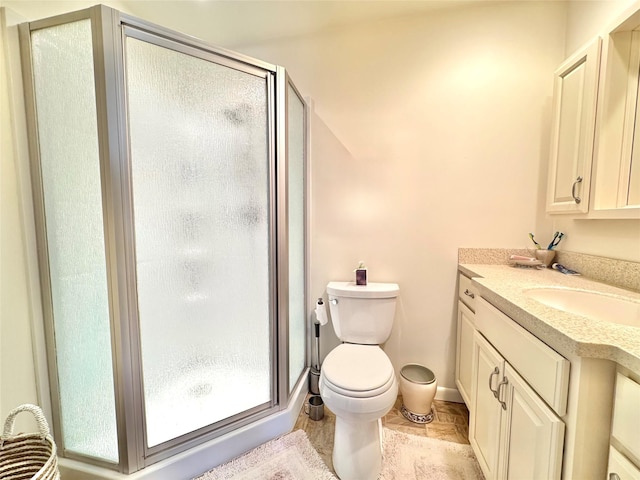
column 469, row 294
column 496, row 371
column 573, row 190
column 504, row 382
column 614, row 476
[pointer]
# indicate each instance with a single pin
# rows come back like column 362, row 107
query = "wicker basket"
column 28, row 456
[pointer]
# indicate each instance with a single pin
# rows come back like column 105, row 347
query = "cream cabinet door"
column 464, row 353
column 484, row 429
column 573, row 130
column 532, row 435
column 620, row 468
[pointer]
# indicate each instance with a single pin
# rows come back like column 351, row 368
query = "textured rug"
column 412, row 457
column 290, row 457
column 406, row 457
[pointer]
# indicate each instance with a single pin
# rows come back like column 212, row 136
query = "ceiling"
column 235, row 22
column 232, row 23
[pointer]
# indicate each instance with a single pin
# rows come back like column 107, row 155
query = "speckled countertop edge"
column 569, row 334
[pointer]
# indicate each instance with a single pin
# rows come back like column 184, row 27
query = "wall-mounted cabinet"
column 573, row 130
column 594, row 165
column 617, row 161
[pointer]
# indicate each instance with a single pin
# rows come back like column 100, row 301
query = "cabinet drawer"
column 543, row 368
column 623, row 468
column 466, row 292
column 626, row 414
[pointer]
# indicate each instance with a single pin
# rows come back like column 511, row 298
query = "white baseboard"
column 449, row 395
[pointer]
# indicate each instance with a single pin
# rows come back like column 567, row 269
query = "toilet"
column 357, row 380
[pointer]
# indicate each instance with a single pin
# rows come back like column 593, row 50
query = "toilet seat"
column 358, row 371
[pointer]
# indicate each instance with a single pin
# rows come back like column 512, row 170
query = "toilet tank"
column 362, row 314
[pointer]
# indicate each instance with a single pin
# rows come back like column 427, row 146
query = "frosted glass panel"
column 634, row 174
column 296, row 139
column 200, row 179
column 65, row 99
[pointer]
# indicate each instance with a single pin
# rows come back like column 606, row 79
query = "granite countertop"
column 567, row 333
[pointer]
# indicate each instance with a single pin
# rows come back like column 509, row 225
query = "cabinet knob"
column 573, row 190
column 469, row 294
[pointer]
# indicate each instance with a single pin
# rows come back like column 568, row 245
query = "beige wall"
column 430, row 132
column 17, row 365
column 586, row 19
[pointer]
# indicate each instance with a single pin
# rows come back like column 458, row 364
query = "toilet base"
column 357, row 450
column 417, row 417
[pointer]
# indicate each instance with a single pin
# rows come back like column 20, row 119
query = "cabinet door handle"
column 573, row 190
column 496, row 371
column 469, row 294
column 614, row 476
column 504, row 382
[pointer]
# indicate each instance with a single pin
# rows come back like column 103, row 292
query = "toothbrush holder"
column 545, row 256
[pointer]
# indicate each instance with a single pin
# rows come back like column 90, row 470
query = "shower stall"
column 169, row 183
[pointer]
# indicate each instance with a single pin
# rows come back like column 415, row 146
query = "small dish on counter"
column 527, row 263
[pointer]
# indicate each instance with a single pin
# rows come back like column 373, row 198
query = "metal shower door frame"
column 109, row 31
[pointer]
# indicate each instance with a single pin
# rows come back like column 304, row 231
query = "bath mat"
column 290, row 457
column 409, row 456
column 406, row 457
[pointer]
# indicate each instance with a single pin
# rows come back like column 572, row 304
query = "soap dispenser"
column 361, row 274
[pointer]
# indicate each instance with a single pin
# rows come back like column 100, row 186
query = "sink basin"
column 598, row 306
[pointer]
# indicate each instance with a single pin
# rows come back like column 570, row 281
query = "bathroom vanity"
column 540, row 381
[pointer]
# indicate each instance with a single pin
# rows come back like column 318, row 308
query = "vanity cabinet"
column 573, row 131
column 484, row 421
column 624, row 452
column 519, row 392
column 464, row 338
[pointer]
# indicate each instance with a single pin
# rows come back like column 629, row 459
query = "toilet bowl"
column 358, row 384
column 357, row 380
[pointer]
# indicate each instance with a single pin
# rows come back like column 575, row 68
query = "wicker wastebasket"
column 28, row 456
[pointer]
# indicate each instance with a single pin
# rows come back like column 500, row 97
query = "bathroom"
column 430, row 131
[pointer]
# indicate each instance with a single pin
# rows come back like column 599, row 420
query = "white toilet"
column 357, row 380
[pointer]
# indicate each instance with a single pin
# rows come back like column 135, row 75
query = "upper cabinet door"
column 573, row 129
column 616, row 192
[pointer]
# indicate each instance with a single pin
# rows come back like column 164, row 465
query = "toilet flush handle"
column 334, row 301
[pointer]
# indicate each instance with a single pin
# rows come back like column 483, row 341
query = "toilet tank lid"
column 370, row 290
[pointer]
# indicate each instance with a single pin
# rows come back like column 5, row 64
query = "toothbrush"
column 534, row 242
column 556, row 240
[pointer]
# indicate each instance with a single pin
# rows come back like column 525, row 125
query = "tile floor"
column 451, row 423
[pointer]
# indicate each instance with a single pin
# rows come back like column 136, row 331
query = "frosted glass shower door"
column 296, row 149
column 200, row 178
